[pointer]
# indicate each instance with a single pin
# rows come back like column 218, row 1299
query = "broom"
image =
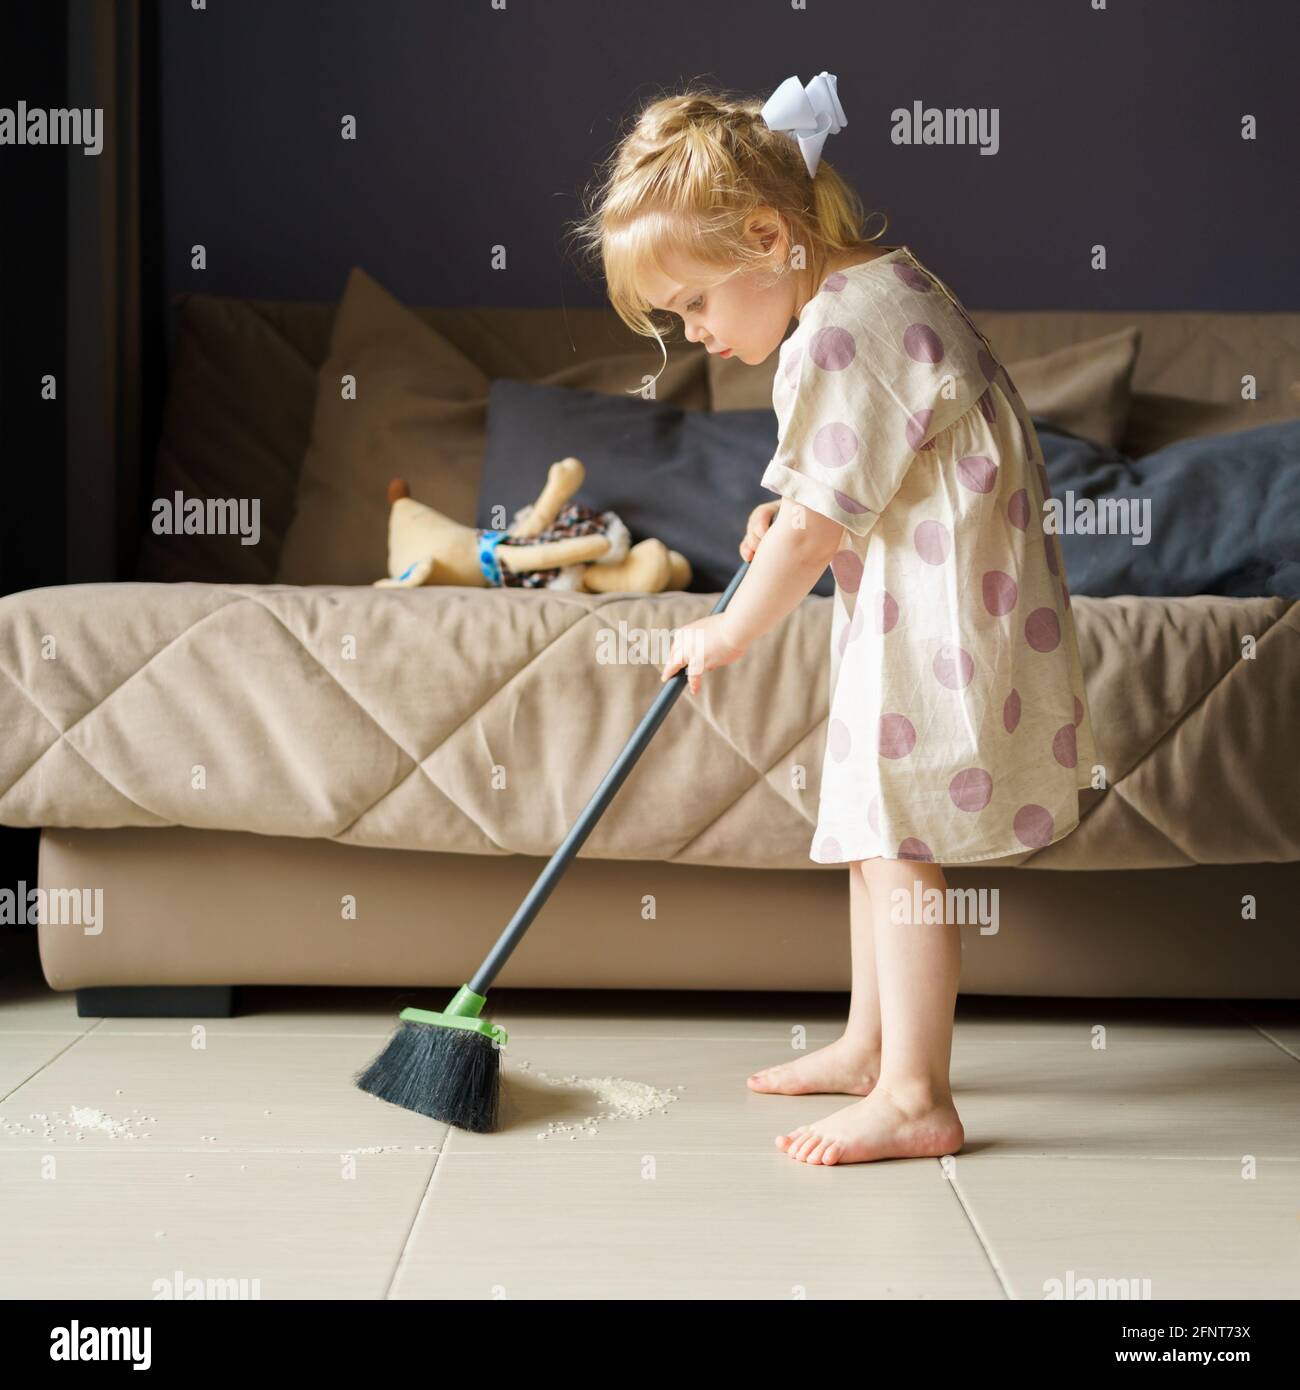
column 448, row 1065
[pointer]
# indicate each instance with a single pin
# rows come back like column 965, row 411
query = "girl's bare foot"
column 842, row 1067
column 881, row 1126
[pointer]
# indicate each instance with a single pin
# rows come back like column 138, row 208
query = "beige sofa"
column 346, row 832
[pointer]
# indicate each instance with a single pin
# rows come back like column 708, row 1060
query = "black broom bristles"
column 447, row 1073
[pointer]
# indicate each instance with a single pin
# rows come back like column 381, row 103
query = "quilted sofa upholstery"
column 479, row 722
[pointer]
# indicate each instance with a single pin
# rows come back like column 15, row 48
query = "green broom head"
column 444, row 1065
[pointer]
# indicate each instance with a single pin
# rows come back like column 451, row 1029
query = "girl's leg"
column 851, row 1063
column 918, row 966
column 909, row 1113
column 863, row 1029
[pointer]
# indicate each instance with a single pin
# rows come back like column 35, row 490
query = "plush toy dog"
column 552, row 543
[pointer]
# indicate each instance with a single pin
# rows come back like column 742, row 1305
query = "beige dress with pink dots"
column 959, row 727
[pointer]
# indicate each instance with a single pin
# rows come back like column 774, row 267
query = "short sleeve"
column 863, row 386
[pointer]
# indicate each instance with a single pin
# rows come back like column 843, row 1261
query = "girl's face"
column 746, row 316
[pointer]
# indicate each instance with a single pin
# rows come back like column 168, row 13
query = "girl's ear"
column 764, row 228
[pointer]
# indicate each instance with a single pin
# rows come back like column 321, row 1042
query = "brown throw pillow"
column 1083, row 388
column 239, row 405
column 418, row 413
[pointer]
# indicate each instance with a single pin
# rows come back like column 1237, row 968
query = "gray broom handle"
column 603, row 795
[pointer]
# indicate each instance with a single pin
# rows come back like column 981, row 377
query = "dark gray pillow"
column 690, row 477
column 1224, row 514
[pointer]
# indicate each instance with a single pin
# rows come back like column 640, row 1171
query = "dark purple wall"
column 480, row 126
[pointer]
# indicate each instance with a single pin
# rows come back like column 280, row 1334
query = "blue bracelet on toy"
column 487, row 555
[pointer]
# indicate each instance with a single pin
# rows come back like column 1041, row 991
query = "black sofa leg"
column 156, row 1001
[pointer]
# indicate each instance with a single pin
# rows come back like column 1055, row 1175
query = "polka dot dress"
column 959, row 727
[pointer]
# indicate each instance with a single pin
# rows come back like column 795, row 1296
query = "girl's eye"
column 695, row 303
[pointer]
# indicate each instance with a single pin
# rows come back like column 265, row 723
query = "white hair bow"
column 808, row 113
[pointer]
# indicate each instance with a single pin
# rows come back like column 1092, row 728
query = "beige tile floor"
column 1167, row 1159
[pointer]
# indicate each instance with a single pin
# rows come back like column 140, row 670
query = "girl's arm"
column 796, row 548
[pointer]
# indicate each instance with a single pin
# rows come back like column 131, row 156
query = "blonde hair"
column 687, row 177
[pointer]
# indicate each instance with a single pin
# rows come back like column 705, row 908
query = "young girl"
column 959, row 728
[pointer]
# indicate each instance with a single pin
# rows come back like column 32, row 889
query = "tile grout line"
column 425, row 1199
column 1263, row 1032
column 49, row 1061
column 1232, row 1009
column 969, row 1213
column 830, row 1036
column 613, row 1147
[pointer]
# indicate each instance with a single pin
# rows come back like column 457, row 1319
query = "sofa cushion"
column 1082, row 387
column 1217, row 515
column 238, row 408
column 416, row 410
column 1156, row 419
